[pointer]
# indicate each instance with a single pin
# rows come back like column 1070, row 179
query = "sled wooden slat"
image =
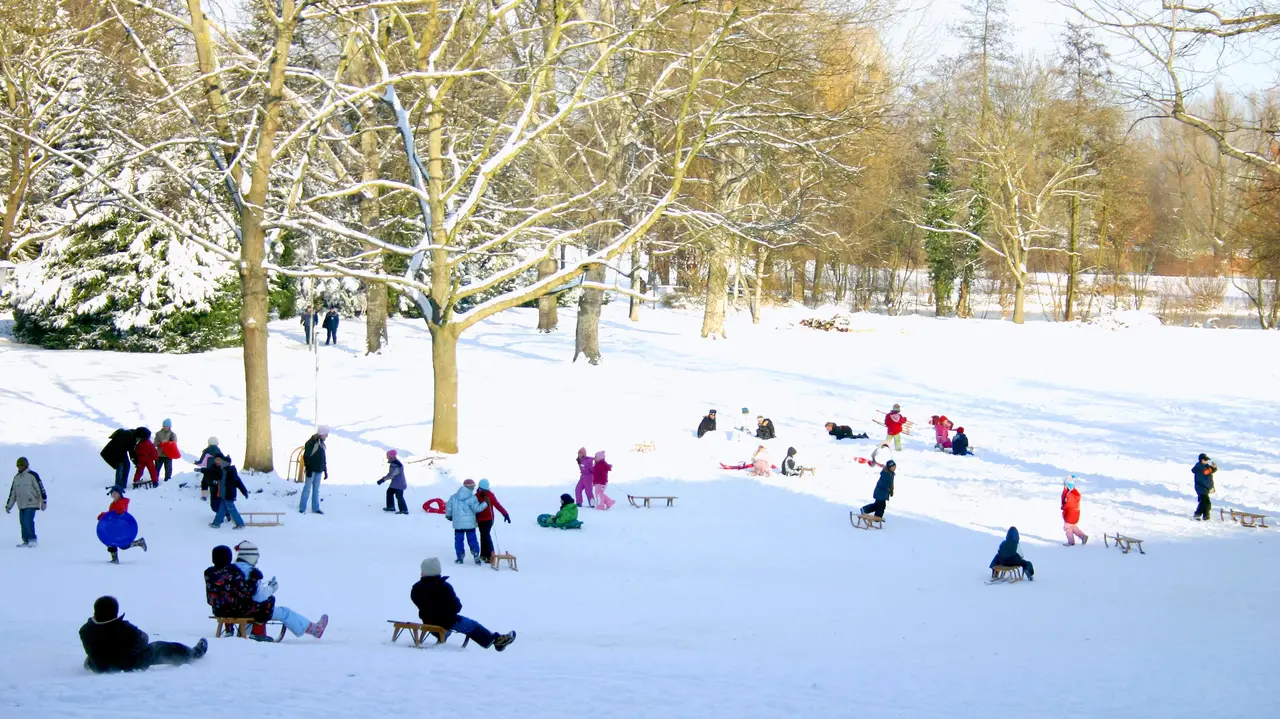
column 1010, row 574
column 808, row 470
column 241, row 626
column 644, row 501
column 509, row 558
column 866, row 521
column 1123, row 542
column 269, row 519
column 643, row 447
column 297, row 469
column 418, row 632
column 1245, row 519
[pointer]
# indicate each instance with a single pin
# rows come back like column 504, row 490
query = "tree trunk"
column 1019, row 298
column 637, row 283
column 758, row 290
column 444, row 368
column 717, row 291
column 548, row 313
column 1073, row 260
column 375, row 315
column 797, row 279
column 587, row 340
column 815, row 297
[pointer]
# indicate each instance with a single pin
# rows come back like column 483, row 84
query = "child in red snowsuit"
column 145, row 456
column 599, row 479
column 942, row 431
column 895, row 422
column 120, row 505
column 1071, row 513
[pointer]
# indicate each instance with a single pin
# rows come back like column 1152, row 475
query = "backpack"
column 225, row 587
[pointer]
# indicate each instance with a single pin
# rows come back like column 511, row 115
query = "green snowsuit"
column 566, row 518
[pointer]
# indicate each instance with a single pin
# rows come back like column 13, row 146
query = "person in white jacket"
column 27, row 494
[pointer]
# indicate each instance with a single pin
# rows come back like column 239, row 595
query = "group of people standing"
column 593, row 478
column 311, row 318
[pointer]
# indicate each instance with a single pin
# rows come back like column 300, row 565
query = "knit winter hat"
column 247, row 552
column 431, row 567
column 600, row 456
column 213, row 441
column 484, row 484
column 959, row 430
column 221, row 556
column 565, row 499
column 115, row 489
column 582, row 451
column 711, row 412
column 1204, row 457
column 105, row 609
column 470, row 483
column 167, row 423
column 890, row 463
column 391, row 454
column 897, row 407
column 22, row 463
column 323, row 431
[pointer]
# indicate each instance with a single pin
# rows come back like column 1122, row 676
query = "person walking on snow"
column 461, row 509
column 167, row 443
column 331, row 326
column 1203, row 472
column 438, row 605
column 316, row 466
column 145, row 455
column 27, row 494
column 120, row 505
column 1007, row 556
column 942, row 431
column 586, row 477
column 708, row 424
column 895, row 422
column 1071, row 512
column 395, row 490
column 883, row 490
column 310, row 318
column 118, row 451
column 206, row 468
column 113, row 645
column 566, row 518
column 262, row 600
column 484, row 519
column 226, row 482
column 600, row 479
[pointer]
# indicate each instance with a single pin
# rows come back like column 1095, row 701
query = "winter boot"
column 477, row 558
column 258, row 630
column 115, row 559
column 316, row 629
column 140, row 542
column 501, row 641
column 31, row 544
column 458, row 560
column 388, row 509
column 199, row 649
column 1085, row 540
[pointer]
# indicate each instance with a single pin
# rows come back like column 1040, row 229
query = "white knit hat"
column 247, row 552
column 431, row 567
column 213, row 441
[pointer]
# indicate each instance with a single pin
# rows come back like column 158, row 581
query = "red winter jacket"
column 485, row 495
column 119, row 506
column 894, row 422
column 1071, row 506
column 146, row 452
column 601, row 472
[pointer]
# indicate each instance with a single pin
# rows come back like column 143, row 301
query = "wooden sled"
column 268, row 519
column 644, row 501
column 643, row 447
column 1123, row 542
column 1245, row 519
column 507, row 557
column 866, row 521
column 297, row 469
column 241, row 627
column 418, row 632
column 808, row 470
column 1005, row 574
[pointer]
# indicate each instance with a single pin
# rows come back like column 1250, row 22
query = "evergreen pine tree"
column 979, row 209
column 939, row 211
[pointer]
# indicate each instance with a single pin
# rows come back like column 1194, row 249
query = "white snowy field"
column 749, row 598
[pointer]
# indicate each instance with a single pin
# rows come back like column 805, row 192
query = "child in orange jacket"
column 120, row 505
column 1071, row 513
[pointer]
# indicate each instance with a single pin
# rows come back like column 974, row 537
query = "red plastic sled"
column 744, row 465
column 433, row 506
column 170, row 450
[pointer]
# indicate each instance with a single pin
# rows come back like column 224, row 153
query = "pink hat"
column 600, row 455
column 469, row 483
column 391, row 454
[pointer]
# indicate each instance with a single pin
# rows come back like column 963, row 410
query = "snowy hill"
column 749, row 598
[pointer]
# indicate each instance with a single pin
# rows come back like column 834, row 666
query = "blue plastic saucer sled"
column 117, row 530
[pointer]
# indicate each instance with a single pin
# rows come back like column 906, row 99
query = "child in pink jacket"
column 942, row 431
column 600, row 478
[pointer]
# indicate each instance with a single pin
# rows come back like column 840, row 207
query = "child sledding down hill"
column 1007, row 555
column 566, row 518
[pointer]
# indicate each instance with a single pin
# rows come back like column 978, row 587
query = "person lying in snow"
column 261, row 601
column 842, row 431
column 942, row 431
column 113, row 645
column 708, row 424
column 789, row 466
column 438, row 605
column 765, row 428
column 1007, row 555
column 566, row 518
column 960, row 442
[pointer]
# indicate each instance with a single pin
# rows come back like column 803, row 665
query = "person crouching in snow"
column 261, row 600
column 1203, row 472
column 566, row 518
column 708, row 424
column 120, row 505
column 883, row 490
column 789, row 466
column 484, row 519
column 461, row 509
column 599, row 479
column 586, row 477
column 438, row 605
column 942, row 431
column 1007, row 555
column 760, row 464
column 1071, row 512
column 765, row 428
column 395, row 491
column 960, row 443
column 113, row 645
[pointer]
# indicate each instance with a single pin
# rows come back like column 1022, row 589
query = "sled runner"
column 418, row 632
column 808, row 470
column 507, row 557
column 1123, row 542
column 297, row 470
column 1005, row 574
column 671, row 501
column 1245, row 519
column 269, row 519
column 866, row 521
column 241, row 626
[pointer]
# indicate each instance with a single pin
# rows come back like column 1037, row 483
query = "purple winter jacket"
column 586, row 468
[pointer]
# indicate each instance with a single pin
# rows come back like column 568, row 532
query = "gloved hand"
column 1211, row 490
column 380, row 481
column 506, row 518
column 44, row 506
column 8, row 510
column 273, row 586
column 326, row 474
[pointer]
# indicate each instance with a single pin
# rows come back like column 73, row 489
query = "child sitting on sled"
column 566, row 518
column 1007, row 555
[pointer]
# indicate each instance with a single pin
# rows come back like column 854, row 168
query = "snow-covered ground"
column 749, row 598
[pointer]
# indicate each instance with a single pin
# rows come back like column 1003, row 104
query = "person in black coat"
column 842, row 431
column 765, row 428
column 708, row 424
column 960, row 442
column 310, row 318
column 1007, row 555
column 113, row 645
column 438, row 605
column 883, row 490
column 789, row 466
column 331, row 326
column 225, row 482
column 118, row 451
column 1203, row 473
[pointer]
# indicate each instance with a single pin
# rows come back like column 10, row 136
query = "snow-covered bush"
column 116, row 281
